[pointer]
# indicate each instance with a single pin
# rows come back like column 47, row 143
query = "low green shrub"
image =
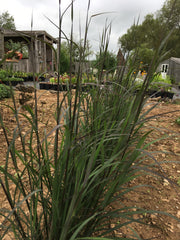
column 19, row 74
column 9, row 76
column 10, row 79
column 3, row 74
column 4, row 91
column 158, row 78
column 159, row 82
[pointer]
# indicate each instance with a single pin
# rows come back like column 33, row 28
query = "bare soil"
column 161, row 194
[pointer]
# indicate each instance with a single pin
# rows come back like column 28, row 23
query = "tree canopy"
column 75, row 52
column 65, row 58
column 170, row 13
column 155, row 27
column 106, row 61
column 78, row 50
column 7, row 21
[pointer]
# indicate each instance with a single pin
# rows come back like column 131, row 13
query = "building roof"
column 176, row 60
column 10, row 33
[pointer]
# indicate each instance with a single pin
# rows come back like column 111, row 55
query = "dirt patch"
column 160, row 195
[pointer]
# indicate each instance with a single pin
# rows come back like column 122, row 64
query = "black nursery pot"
column 162, row 94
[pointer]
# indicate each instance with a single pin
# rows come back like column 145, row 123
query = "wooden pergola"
column 40, row 51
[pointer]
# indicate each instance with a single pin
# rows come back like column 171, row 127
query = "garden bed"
column 12, row 83
column 160, row 195
column 162, row 94
column 63, row 86
column 86, row 86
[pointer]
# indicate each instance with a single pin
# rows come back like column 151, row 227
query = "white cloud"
column 124, row 12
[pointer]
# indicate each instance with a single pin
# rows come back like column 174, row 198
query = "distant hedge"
column 11, row 79
column 4, row 91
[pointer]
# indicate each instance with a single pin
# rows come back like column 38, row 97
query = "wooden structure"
column 40, row 52
column 170, row 67
column 120, row 59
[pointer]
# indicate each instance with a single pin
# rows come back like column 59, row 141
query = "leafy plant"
column 159, row 82
column 10, row 79
column 19, row 74
column 4, row 91
column 8, row 76
column 65, row 78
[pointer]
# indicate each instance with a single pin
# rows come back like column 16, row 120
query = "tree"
column 170, row 16
column 170, row 13
column 143, row 55
column 7, row 21
column 154, row 29
column 150, row 32
column 131, row 39
column 78, row 50
column 106, row 61
column 64, row 58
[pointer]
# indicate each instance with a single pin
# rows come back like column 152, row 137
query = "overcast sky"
column 122, row 13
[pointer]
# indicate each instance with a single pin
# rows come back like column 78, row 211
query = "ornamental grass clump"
column 62, row 181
